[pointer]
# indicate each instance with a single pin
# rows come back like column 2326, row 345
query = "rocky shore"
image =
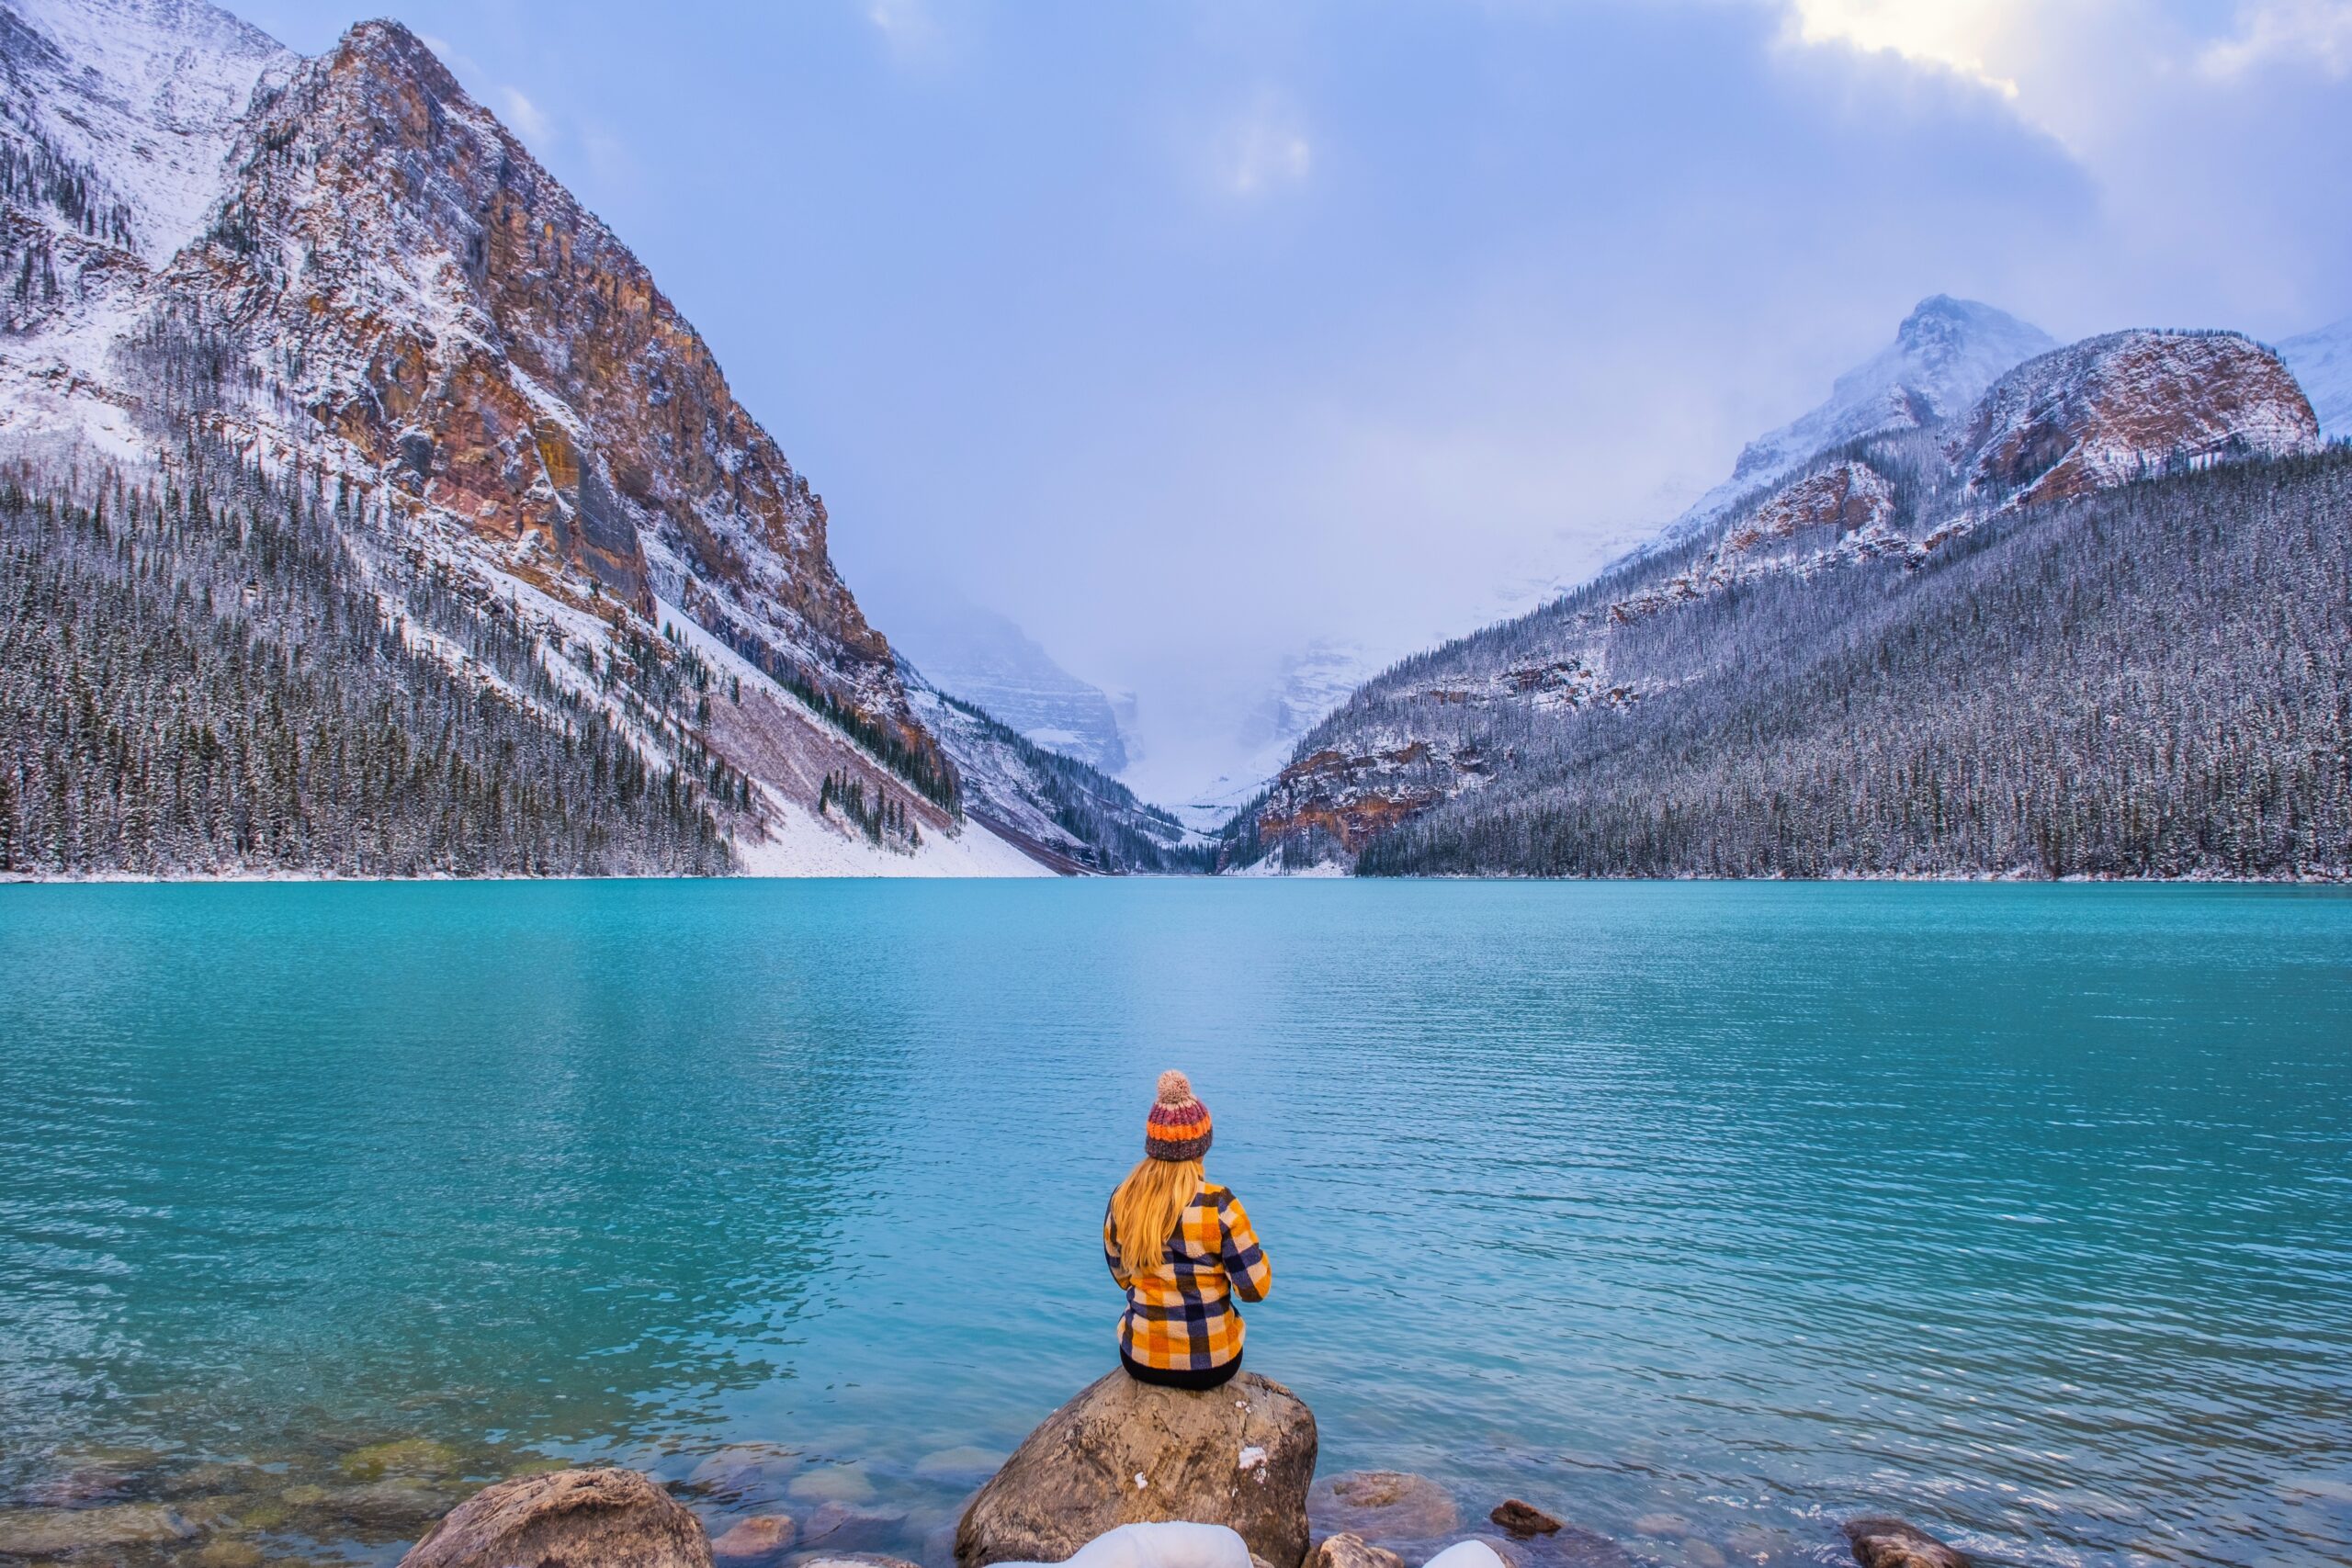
column 1103, row 1476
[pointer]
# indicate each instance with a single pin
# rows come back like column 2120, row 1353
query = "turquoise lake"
column 1702, row 1215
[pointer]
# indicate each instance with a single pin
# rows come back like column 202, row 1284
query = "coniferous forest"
column 196, row 678
column 2152, row 682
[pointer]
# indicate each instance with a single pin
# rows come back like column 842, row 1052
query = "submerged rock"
column 1882, row 1542
column 1570, row 1545
column 959, row 1464
column 1524, row 1518
column 1352, row 1551
column 1383, row 1505
column 227, row 1554
column 847, row 1559
column 402, row 1500
column 405, row 1456
column 754, row 1539
column 842, row 1528
column 832, row 1484
column 574, row 1519
column 1128, row 1452
column 52, row 1532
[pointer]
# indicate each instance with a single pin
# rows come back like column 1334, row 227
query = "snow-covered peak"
column 2322, row 362
column 150, row 94
column 1944, row 356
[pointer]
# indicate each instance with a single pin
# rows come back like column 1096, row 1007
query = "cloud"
column 1263, row 151
column 1959, row 35
column 526, row 117
column 522, row 116
column 909, row 28
column 2315, row 32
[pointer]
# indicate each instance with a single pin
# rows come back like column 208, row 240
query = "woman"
column 1182, row 1248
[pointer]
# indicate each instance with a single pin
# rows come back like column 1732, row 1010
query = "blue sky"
column 1187, row 332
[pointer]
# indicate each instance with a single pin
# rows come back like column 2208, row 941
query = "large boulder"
column 570, row 1518
column 1128, row 1452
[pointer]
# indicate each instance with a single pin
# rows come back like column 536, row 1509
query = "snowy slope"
column 2321, row 361
column 1944, row 356
column 148, row 93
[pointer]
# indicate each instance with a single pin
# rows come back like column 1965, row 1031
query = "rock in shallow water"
column 1891, row 1543
column 1345, row 1550
column 754, row 1539
column 400, row 1500
column 1128, row 1452
column 572, row 1519
column 1524, row 1518
column 844, row 1528
column 52, row 1532
column 1382, row 1505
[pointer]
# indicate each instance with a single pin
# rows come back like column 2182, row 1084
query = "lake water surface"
column 1700, row 1214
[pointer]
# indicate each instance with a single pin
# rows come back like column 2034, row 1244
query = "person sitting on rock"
column 1182, row 1248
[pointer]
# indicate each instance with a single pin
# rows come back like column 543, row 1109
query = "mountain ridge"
column 1502, row 712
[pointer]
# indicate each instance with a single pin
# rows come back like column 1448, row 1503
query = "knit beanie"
column 1179, row 1128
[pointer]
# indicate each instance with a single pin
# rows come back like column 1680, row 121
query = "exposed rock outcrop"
column 2117, row 408
column 1127, row 1452
column 570, row 1518
column 1882, row 1542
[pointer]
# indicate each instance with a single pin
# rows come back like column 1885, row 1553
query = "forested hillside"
column 2152, row 681
column 196, row 679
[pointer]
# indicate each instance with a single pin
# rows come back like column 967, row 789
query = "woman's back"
column 1181, row 1247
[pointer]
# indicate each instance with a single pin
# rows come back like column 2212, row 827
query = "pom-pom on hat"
column 1179, row 1128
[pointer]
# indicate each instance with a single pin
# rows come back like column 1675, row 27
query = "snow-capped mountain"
column 343, row 269
column 985, row 658
column 2321, row 361
column 1677, row 655
column 1944, row 356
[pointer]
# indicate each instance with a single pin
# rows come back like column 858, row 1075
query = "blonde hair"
column 1148, row 1206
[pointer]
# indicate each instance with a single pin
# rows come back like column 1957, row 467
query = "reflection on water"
column 1700, row 1214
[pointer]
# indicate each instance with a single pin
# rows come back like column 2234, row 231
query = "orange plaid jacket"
column 1180, row 1316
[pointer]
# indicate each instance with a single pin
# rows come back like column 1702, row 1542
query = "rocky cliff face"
column 411, row 283
column 344, row 269
column 2123, row 407
column 1643, row 643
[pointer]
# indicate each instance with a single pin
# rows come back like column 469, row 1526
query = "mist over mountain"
column 2322, row 362
column 972, row 652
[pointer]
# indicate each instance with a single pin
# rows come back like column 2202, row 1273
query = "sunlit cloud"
column 1959, row 35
